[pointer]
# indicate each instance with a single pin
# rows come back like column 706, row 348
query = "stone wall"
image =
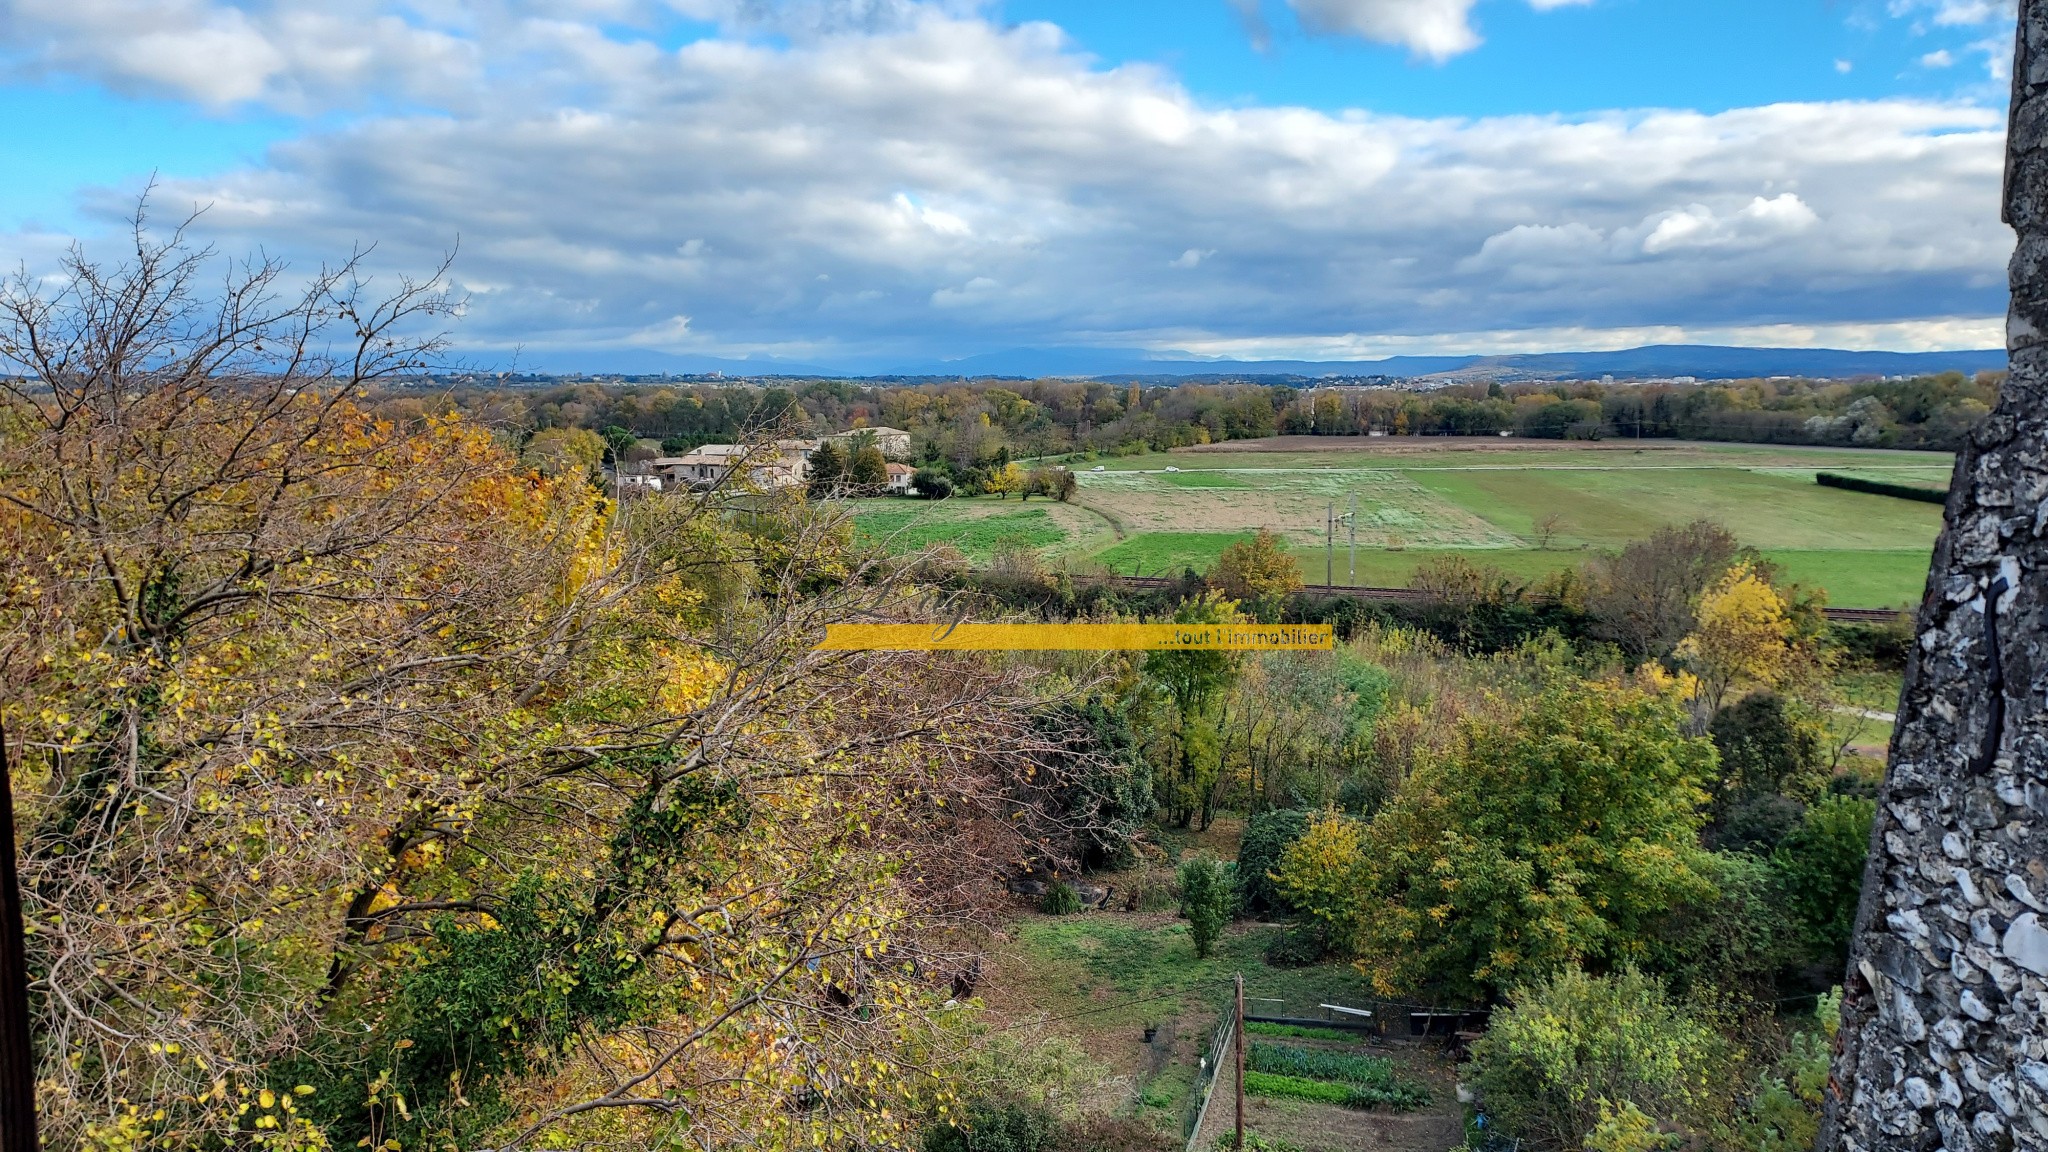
column 1945, row 1042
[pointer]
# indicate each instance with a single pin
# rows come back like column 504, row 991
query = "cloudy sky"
column 867, row 183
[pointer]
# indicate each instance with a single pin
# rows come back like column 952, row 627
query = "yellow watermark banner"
column 948, row 637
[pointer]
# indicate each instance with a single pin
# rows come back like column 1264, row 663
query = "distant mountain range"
column 1705, row 362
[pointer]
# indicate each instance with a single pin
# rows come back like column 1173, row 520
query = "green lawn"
column 1167, row 553
column 905, row 526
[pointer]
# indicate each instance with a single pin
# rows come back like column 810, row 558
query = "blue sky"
column 868, row 182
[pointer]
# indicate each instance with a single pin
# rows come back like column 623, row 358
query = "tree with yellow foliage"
column 378, row 789
column 1746, row 635
column 1259, row 573
column 1319, row 876
column 1005, row 479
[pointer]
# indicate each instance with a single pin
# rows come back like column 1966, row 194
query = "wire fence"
column 1205, row 1081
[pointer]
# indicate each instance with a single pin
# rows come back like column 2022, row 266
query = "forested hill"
column 1706, row 362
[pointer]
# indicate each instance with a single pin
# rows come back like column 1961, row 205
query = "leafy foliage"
column 1181, row 712
column 1768, row 749
column 1319, row 876
column 1267, row 836
column 1563, row 834
column 1374, row 1073
column 1060, row 900
column 1572, row 1044
column 1820, row 872
column 1644, row 598
column 365, row 754
column 1259, row 573
column 1208, row 897
column 1745, row 634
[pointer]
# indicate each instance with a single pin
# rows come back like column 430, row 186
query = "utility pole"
column 17, row 1053
column 1237, row 1047
column 1354, row 539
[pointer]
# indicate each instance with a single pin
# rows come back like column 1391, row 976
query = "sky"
column 869, row 184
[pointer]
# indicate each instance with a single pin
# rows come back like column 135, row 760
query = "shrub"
column 1627, row 1129
column 1208, row 895
column 1060, row 900
column 996, row 1128
column 931, row 484
column 1572, row 1041
column 1266, row 837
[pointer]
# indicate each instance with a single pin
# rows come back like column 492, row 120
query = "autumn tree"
column 1004, row 479
column 1319, row 875
column 1260, row 573
column 356, row 753
column 1643, row 598
column 1744, row 635
column 1562, row 835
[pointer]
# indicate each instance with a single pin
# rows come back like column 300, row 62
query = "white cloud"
column 1949, row 13
column 945, row 183
column 1940, row 58
column 293, row 54
column 1935, row 335
column 1437, row 29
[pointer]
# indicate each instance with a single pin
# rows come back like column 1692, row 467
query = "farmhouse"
column 892, row 441
column 783, row 464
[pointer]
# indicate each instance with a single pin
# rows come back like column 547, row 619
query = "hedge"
column 1881, row 488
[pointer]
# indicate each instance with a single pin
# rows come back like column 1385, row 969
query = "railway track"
column 1414, row 595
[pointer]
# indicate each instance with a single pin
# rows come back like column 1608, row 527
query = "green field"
column 977, row 527
column 1524, row 507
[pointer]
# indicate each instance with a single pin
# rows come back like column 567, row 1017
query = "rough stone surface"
column 1944, row 1041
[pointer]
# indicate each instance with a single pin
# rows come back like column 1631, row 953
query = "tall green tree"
column 827, row 468
column 867, row 468
column 1187, row 687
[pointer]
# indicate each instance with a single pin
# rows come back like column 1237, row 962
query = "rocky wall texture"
column 1945, row 1026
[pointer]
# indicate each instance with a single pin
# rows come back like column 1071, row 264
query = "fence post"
column 1237, row 1047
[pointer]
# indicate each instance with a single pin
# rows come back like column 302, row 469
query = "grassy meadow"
column 1524, row 507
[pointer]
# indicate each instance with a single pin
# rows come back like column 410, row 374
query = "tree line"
column 969, row 431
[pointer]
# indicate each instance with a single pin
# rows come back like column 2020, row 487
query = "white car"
column 1173, row 469
column 1097, row 468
